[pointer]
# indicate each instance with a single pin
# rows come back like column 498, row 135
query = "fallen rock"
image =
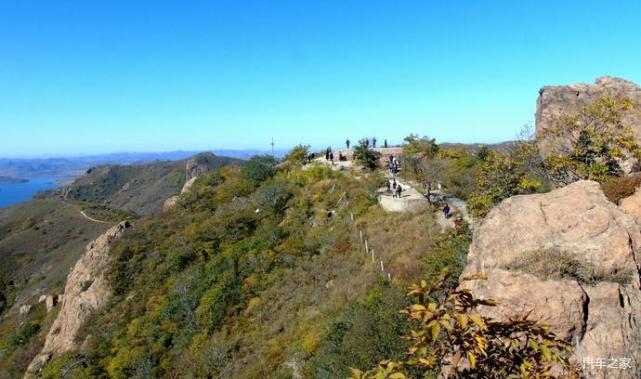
column 570, row 258
column 50, row 302
column 85, row 291
column 24, row 309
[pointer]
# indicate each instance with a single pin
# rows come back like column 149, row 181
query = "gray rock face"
column 569, row 99
column 598, row 306
column 86, row 290
column 198, row 165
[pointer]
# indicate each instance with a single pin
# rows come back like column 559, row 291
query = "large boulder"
column 569, row 259
column 632, row 205
column 555, row 101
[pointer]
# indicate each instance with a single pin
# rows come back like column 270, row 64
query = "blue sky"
column 79, row 77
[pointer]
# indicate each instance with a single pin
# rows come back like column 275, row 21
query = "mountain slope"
column 140, row 189
column 250, row 277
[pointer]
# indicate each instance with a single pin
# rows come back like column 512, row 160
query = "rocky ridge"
column 570, row 259
column 555, row 101
column 85, row 291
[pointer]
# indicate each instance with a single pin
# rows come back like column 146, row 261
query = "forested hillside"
column 260, row 272
column 140, row 189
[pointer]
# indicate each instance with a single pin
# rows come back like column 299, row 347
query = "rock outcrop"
column 194, row 168
column 570, row 257
column 554, row 101
column 85, row 291
column 199, row 164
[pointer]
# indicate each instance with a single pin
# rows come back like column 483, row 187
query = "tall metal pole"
column 273, row 148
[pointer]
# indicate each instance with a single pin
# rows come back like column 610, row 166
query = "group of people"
column 394, row 188
column 329, row 154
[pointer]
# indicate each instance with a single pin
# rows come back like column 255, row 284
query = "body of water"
column 13, row 193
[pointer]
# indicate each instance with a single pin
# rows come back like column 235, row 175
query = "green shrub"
column 259, row 168
column 364, row 334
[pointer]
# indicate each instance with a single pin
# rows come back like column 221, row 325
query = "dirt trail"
column 93, row 219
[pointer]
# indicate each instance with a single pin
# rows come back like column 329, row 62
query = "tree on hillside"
column 423, row 146
column 259, row 168
column 367, row 157
column 505, row 174
column 452, row 340
column 298, row 155
column 592, row 143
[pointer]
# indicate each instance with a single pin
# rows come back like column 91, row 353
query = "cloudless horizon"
column 87, row 77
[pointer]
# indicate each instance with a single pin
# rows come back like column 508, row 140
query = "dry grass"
column 555, row 265
column 619, row 188
column 401, row 240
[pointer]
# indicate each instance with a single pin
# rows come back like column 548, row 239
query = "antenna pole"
column 273, row 148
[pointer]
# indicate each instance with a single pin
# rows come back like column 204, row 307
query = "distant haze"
column 66, row 168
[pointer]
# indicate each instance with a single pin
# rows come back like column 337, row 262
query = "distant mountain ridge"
column 141, row 189
column 68, row 168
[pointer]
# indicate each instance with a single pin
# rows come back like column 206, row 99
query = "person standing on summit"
column 347, row 142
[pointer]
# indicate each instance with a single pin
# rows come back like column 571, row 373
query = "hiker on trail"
column 399, row 189
column 374, row 142
column 331, row 157
column 388, row 185
column 446, row 211
column 347, row 142
column 385, row 143
column 327, row 151
column 394, row 184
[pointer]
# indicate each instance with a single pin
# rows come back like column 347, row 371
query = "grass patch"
column 618, row 188
column 556, row 264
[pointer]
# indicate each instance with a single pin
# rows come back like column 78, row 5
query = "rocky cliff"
column 554, row 101
column 570, row 259
column 85, row 291
column 194, row 167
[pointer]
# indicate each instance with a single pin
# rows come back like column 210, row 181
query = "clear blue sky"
column 81, row 76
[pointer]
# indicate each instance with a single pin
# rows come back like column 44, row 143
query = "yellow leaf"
column 356, row 373
column 447, row 325
column 417, row 307
column 478, row 321
column 462, row 319
column 472, row 359
column 436, row 330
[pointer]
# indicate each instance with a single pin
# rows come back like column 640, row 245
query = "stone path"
column 410, row 200
column 338, row 165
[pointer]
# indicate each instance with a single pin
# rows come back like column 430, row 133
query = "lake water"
column 13, row 193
